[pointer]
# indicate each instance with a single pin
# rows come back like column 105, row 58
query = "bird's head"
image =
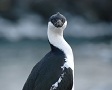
column 57, row 22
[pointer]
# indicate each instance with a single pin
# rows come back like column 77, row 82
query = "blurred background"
column 23, row 40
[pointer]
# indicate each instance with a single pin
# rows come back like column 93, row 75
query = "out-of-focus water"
column 31, row 26
column 93, row 63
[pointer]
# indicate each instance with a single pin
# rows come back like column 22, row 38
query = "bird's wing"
column 46, row 74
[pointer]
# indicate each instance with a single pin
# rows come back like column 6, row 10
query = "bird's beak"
column 59, row 23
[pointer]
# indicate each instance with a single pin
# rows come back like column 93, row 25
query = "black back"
column 48, row 71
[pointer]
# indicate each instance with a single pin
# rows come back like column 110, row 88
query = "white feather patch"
column 55, row 36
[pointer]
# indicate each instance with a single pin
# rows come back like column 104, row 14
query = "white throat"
column 55, row 36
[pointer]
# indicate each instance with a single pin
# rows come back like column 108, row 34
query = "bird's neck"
column 57, row 40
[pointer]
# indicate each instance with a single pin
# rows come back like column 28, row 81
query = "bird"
column 55, row 71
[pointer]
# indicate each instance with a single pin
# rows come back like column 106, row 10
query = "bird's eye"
column 53, row 20
column 63, row 20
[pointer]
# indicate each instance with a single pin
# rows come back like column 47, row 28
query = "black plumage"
column 48, row 71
